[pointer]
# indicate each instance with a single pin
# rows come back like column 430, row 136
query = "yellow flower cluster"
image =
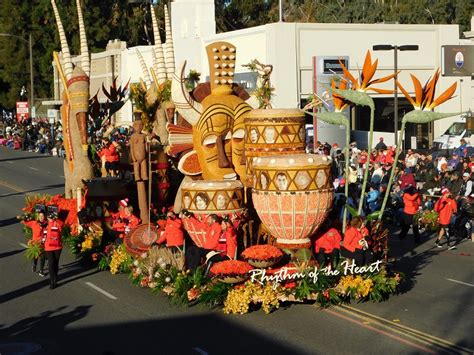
column 119, row 256
column 362, row 287
column 91, row 239
column 239, row 299
column 87, row 244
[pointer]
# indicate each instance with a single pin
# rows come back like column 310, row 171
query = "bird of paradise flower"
column 423, row 104
column 358, row 95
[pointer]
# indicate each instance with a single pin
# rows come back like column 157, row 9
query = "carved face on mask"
column 212, row 142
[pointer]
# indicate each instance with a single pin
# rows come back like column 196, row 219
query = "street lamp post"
column 389, row 47
column 30, row 47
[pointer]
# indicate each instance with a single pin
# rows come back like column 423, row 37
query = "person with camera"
column 38, row 229
column 354, row 245
column 446, row 208
column 53, row 246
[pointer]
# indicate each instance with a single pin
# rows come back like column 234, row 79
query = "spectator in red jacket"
column 406, row 180
column 173, row 234
column 38, row 230
column 354, row 245
column 53, row 247
column 327, row 247
column 447, row 208
column 411, row 205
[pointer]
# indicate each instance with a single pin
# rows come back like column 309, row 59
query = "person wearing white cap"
column 466, row 189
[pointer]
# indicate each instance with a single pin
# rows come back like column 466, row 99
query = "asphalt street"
column 94, row 312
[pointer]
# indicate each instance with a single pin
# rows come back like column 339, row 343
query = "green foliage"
column 104, row 262
column 215, row 294
column 33, row 251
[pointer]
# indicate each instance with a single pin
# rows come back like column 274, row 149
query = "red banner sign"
column 22, row 111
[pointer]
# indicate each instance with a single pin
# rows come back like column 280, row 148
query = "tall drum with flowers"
column 292, row 195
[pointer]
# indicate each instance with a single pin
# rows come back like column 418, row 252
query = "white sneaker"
column 452, row 247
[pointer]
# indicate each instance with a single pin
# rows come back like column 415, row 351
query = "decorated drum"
column 205, row 197
column 292, row 195
column 273, row 132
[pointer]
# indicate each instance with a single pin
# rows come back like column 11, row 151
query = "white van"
column 462, row 127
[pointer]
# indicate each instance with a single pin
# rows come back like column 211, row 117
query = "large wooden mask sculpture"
column 213, row 136
column 77, row 166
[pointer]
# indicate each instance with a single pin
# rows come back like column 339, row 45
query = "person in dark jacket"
column 381, row 145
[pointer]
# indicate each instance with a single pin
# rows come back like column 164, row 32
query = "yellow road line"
column 420, row 335
column 12, row 187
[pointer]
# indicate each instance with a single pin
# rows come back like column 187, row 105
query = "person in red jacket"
column 173, row 234
column 354, row 245
column 327, row 247
column 194, row 254
column 227, row 243
column 38, row 230
column 446, row 208
column 125, row 221
column 411, row 205
column 407, row 179
column 53, row 247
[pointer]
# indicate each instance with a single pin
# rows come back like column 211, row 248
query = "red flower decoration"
column 231, row 267
column 262, row 252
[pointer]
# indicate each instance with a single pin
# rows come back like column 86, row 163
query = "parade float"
column 245, row 165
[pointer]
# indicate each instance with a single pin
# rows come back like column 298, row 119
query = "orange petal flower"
column 424, row 97
column 339, row 102
column 365, row 80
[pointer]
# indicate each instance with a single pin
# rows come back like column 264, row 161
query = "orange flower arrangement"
column 231, row 267
column 262, row 252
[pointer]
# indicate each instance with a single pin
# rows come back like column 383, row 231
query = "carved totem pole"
column 77, row 166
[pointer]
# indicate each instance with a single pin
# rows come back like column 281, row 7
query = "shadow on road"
column 24, row 158
column 63, row 278
column 198, row 334
column 10, row 253
column 8, row 221
column 407, row 260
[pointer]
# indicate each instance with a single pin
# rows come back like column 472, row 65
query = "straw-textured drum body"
column 292, row 195
column 272, row 132
column 205, row 197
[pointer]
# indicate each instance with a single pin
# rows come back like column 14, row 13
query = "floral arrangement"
column 427, row 219
column 230, row 268
column 120, row 260
column 262, row 255
column 239, row 299
column 262, row 252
